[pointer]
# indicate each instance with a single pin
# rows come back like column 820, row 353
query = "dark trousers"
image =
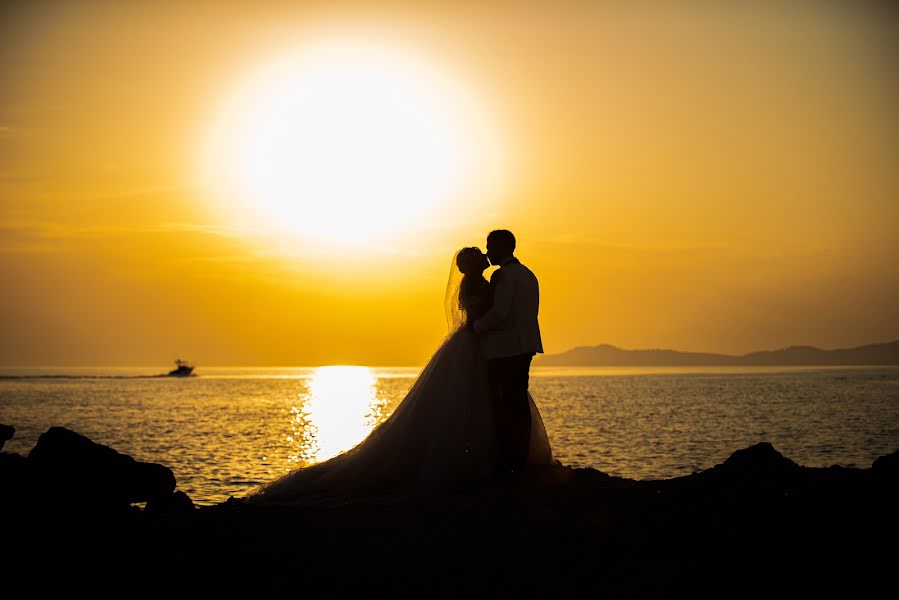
column 511, row 411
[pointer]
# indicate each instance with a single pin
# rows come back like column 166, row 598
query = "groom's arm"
column 502, row 303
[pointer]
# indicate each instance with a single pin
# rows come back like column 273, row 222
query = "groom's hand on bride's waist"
column 474, row 326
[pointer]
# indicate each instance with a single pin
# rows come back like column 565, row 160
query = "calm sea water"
column 229, row 429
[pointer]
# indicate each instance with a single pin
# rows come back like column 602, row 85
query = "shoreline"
column 757, row 522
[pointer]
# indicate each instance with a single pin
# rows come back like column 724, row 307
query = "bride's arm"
column 502, row 303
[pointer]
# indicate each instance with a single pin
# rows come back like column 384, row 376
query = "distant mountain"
column 606, row 355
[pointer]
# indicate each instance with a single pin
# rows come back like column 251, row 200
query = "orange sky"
column 713, row 178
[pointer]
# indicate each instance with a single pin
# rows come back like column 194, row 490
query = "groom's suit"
column 509, row 338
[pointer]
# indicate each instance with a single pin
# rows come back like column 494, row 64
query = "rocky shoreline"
column 757, row 524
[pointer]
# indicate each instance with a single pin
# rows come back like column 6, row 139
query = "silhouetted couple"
column 509, row 338
column 468, row 416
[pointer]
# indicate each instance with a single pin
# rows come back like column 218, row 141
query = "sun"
column 346, row 142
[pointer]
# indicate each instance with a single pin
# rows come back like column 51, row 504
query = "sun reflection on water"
column 339, row 408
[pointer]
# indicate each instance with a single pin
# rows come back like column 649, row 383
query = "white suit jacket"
column 510, row 327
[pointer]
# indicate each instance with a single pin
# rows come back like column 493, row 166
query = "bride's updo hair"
column 468, row 261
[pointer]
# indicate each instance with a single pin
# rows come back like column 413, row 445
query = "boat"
column 184, row 369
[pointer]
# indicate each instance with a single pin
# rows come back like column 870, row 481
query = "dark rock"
column 753, row 464
column 71, row 467
column 759, row 458
column 15, row 480
column 12, row 468
column 757, row 523
column 177, row 502
column 6, row 433
column 888, row 464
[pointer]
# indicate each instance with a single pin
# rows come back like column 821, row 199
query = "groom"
column 510, row 336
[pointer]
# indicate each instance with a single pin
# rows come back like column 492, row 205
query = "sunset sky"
column 720, row 177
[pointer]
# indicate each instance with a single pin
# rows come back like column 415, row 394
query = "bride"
column 442, row 431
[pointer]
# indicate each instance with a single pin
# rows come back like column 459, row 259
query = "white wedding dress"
column 440, row 433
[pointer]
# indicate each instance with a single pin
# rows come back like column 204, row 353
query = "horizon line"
column 411, row 366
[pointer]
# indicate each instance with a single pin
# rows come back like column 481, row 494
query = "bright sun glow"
column 346, row 142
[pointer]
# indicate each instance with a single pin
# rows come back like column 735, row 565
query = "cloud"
column 44, row 236
column 32, row 109
column 655, row 246
column 692, row 249
column 29, row 248
column 146, row 191
column 208, row 228
column 10, row 177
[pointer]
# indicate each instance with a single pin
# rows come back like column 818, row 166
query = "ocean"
column 229, row 429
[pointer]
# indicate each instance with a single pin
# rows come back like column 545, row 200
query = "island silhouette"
column 606, row 355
